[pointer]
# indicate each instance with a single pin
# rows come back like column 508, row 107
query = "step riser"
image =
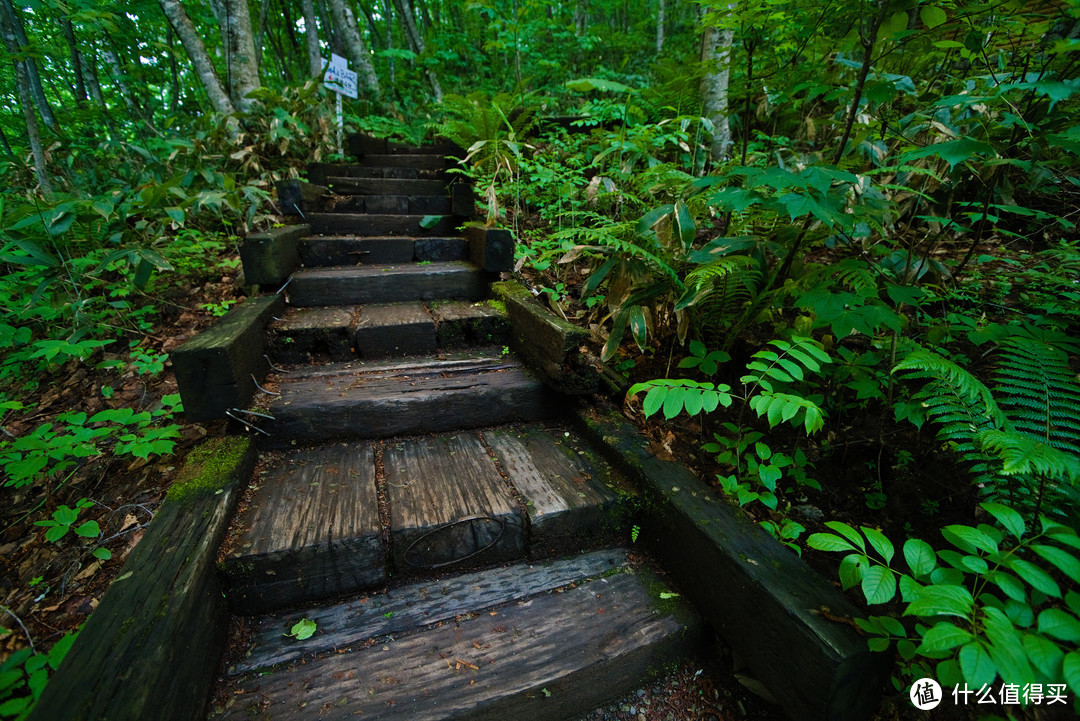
column 372, row 225
column 407, row 160
column 324, row 252
column 319, row 172
column 448, row 283
column 472, row 404
column 377, row 186
column 388, row 204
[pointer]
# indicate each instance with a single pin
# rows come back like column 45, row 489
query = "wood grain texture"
column 415, row 605
column 460, row 323
column 339, row 403
column 544, row 659
column 216, row 369
column 311, row 531
column 322, row 251
column 428, row 161
column 378, row 224
column 763, row 600
column 571, row 497
column 385, row 186
column 269, row 258
column 317, row 333
column 394, row 329
column 387, row 284
column 150, row 649
column 434, row 486
column 491, row 248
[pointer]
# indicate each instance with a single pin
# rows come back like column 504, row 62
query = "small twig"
column 21, row 625
column 271, row 363
column 299, row 211
column 246, row 423
column 256, row 382
column 255, row 413
column 284, row 286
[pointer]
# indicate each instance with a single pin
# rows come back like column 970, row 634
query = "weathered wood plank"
column 416, row 605
column 387, row 284
column 269, row 258
column 572, row 497
column 321, row 251
column 425, row 160
column 296, row 197
column 449, row 506
column 461, row 323
column 463, row 199
column 440, row 250
column 344, row 185
column 491, row 248
column 216, row 369
column 151, row 648
column 546, row 342
column 376, row 224
column 545, row 659
column 304, row 334
column 762, row 599
column 394, row 329
column 351, row 404
column 311, row 531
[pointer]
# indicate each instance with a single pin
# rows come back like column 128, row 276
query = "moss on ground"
column 209, row 468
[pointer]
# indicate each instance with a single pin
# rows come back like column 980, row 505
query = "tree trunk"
column 311, row 34
column 581, row 16
column 193, row 44
column 241, row 59
column 416, row 40
column 76, row 61
column 332, row 35
column 119, row 77
column 716, row 53
column 22, row 83
column 388, row 12
column 355, row 50
column 33, row 77
column 659, row 26
column 174, row 71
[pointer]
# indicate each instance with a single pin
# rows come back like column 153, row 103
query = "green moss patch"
column 209, row 468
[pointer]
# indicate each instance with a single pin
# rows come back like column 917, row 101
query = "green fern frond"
column 1024, row 454
column 952, row 387
column 1039, row 392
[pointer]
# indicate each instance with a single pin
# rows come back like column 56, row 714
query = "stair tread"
column 361, row 271
column 360, row 284
column 349, row 185
column 415, row 605
column 551, row 656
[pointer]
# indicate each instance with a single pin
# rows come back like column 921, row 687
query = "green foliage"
column 990, row 607
column 302, row 629
column 23, row 676
column 63, row 520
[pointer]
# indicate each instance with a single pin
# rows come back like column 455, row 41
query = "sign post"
column 342, row 81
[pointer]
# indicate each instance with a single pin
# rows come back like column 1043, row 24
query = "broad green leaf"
column 879, row 585
column 944, row 636
column 684, row 224
column 847, row 532
column 1010, row 520
column 879, row 543
column 969, row 539
column 90, row 529
column 977, row 666
column 932, row 16
column 1034, row 576
column 1006, row 646
column 1059, row 624
column 1013, row 587
column 303, row 629
column 951, row 151
column 941, row 600
column 920, row 557
column 430, row 221
column 102, row 553
column 1044, row 655
column 1065, row 562
column 1070, row 668
column 828, row 542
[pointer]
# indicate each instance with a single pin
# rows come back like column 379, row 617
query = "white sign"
column 338, row 77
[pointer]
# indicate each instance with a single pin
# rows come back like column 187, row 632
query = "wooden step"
column 387, row 204
column 415, row 395
column 318, row 172
column 376, row 224
column 328, row 250
column 384, row 186
column 302, row 335
column 363, row 146
column 394, row 330
column 412, row 606
column 424, row 160
column 459, row 324
column 387, row 284
column 550, row 655
column 311, row 531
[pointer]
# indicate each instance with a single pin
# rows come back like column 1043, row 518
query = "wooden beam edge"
column 152, row 647
column 761, row 598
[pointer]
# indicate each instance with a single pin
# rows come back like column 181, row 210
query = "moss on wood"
column 209, row 468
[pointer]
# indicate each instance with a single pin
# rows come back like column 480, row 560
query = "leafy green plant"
column 303, row 629
column 990, row 607
column 23, row 676
column 63, row 520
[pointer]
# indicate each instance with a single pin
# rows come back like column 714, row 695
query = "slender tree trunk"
column 416, row 40
column 867, row 38
column 373, row 30
column 76, row 61
column 193, row 44
column 174, row 71
column 388, row 13
column 659, row 26
column 716, row 53
column 355, row 50
column 260, row 32
column 581, row 16
column 22, row 83
column 332, row 34
column 311, row 34
column 33, row 77
column 119, row 78
column 241, row 59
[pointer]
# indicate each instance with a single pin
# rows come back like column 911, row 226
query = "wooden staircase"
column 420, row 495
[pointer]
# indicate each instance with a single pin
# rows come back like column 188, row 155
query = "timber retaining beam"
column 151, row 648
column 270, row 258
column 770, row 608
column 547, row 343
